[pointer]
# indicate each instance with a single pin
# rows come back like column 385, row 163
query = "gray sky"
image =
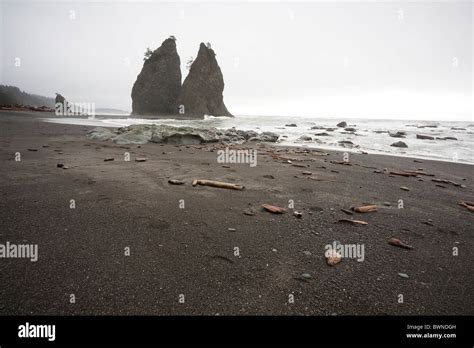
column 343, row 59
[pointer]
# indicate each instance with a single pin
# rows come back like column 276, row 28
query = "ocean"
column 370, row 135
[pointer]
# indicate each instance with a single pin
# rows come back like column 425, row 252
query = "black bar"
column 260, row 330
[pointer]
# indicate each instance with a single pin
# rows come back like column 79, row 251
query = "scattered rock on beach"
column 346, row 142
column 297, row 214
column 342, row 124
column 291, row 125
column 333, row 257
column 399, row 144
column 424, row 137
column 101, row 133
column 140, row 159
column 108, row 159
column 446, row 138
column 398, row 134
column 249, row 212
column 404, row 188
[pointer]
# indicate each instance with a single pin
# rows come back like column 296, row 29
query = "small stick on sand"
column 468, row 205
column 365, row 209
column 354, row 222
column 273, row 209
column 218, row 184
column 399, row 243
column 403, row 174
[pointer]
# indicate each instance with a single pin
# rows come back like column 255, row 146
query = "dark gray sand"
column 191, row 251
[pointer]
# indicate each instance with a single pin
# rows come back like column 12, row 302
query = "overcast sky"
column 328, row 59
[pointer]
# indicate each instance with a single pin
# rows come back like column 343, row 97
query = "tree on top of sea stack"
column 157, row 87
column 201, row 93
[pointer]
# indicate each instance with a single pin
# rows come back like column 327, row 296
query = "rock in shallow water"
column 399, row 144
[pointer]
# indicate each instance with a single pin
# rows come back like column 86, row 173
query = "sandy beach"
column 223, row 261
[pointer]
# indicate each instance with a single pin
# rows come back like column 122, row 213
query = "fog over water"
column 398, row 60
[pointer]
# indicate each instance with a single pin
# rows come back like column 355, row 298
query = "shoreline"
column 191, row 250
column 291, row 145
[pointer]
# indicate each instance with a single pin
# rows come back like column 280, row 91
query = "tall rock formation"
column 201, row 93
column 157, row 87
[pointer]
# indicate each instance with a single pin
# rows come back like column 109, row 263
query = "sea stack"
column 201, row 93
column 157, row 87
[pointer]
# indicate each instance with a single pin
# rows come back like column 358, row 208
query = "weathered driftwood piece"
column 468, row 205
column 273, row 209
column 418, row 172
column 399, row 243
column 354, row 222
column 403, row 173
column 218, row 184
column 175, row 182
column 365, row 209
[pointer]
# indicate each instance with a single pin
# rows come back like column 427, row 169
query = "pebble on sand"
column 333, row 257
column 175, row 182
column 249, row 212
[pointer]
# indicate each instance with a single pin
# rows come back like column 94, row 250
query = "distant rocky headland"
column 158, row 90
column 12, row 97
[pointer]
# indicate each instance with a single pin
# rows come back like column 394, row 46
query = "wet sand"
column 126, row 204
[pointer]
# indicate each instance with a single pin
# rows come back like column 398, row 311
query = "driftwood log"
column 218, row 184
